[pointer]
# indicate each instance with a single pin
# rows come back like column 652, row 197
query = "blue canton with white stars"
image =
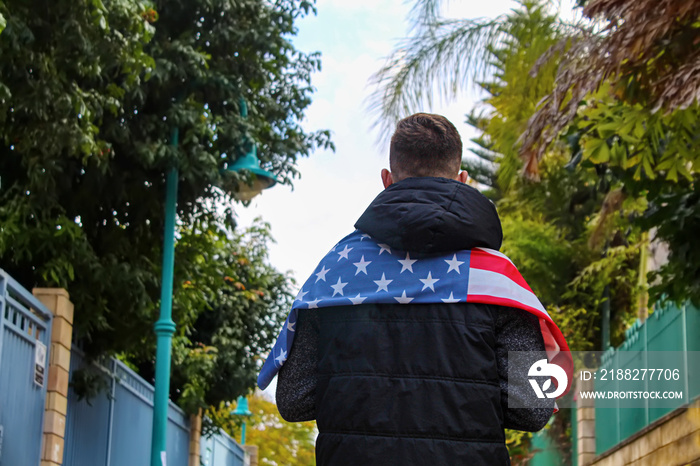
column 361, row 270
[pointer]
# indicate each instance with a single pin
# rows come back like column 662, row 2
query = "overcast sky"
column 354, row 37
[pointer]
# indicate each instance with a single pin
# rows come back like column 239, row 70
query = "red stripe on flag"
column 488, row 299
column 480, row 259
column 563, row 359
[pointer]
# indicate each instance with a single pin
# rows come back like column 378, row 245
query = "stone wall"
column 672, row 440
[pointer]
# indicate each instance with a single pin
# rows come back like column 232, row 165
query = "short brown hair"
column 425, row 144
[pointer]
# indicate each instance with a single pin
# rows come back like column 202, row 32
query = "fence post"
column 585, row 419
column 252, row 453
column 58, row 302
column 195, row 438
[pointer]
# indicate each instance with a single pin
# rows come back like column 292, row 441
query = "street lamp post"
column 165, row 327
column 242, row 410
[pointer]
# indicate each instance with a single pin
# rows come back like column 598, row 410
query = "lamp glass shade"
column 242, row 407
column 262, row 179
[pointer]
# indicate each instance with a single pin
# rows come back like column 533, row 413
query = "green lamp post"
column 165, row 327
column 242, row 410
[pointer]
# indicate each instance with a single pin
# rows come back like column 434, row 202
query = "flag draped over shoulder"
column 360, row 270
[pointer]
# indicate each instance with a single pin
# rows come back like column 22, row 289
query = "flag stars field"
column 322, row 274
column 362, row 265
column 403, row 299
column 451, row 299
column 314, row 304
column 357, row 299
column 282, row 357
column 338, row 287
column 454, row 264
column 383, row 284
column 407, row 263
column 344, row 253
column 429, row 281
column 300, row 296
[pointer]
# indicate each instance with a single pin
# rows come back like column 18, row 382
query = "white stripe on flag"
column 485, row 282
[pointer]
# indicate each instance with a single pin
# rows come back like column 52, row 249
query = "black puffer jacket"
column 409, row 384
column 414, row 384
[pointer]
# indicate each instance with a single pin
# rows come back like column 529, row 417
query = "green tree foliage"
column 512, row 94
column 90, row 92
column 547, row 225
column 243, row 300
column 652, row 157
column 626, row 101
column 279, row 442
column 556, row 231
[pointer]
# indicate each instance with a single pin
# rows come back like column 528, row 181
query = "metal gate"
column 114, row 427
column 25, row 334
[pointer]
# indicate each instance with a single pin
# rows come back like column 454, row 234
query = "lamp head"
column 242, row 407
column 262, row 179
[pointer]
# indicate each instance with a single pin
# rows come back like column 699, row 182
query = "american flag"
column 359, row 270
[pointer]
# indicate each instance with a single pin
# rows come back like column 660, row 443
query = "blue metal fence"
column 111, row 429
column 114, row 428
column 25, row 327
column 221, row 450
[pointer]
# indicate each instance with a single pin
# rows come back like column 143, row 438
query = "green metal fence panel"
column 665, row 332
column 692, row 325
column 669, row 328
column 631, row 419
column 574, row 436
column 548, row 454
column 25, row 332
column 607, row 414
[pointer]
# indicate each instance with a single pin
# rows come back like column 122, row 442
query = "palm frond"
column 424, row 13
column 636, row 33
column 439, row 60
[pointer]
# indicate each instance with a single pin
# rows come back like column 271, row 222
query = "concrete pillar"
column 195, row 438
column 252, row 453
column 585, row 418
column 57, row 301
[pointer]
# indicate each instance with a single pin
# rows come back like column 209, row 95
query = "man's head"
column 424, row 145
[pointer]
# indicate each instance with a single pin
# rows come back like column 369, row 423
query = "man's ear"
column 463, row 176
column 387, row 179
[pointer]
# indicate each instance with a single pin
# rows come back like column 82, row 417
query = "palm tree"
column 440, row 58
column 649, row 50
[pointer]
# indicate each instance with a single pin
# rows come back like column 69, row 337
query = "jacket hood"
column 431, row 216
